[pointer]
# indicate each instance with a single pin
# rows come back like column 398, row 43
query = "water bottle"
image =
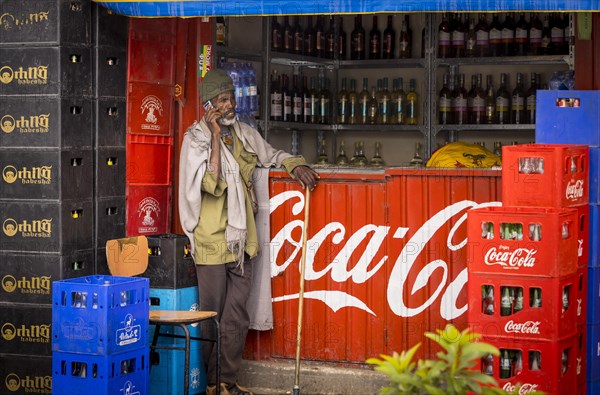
column 252, row 89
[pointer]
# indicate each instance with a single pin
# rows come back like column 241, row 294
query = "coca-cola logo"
column 524, row 389
column 503, row 256
column 366, row 242
column 574, row 190
column 529, row 327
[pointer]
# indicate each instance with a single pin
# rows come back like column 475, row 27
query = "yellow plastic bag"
column 459, row 154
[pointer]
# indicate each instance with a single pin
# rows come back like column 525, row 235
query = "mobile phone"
column 208, row 105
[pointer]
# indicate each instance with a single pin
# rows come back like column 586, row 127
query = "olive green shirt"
column 209, row 234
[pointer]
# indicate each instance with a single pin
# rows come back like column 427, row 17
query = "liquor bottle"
column 502, row 102
column 297, row 99
column 357, row 38
column 521, row 36
column 353, row 106
column 359, row 158
column 220, row 31
column 377, row 160
column 411, row 103
column 557, row 34
column 410, row 35
column 324, row 102
column 477, row 100
column 341, row 41
column 314, row 102
column 309, row 38
column 384, row 103
column 400, row 104
column 497, row 148
column 405, row 43
column 535, row 34
column 322, row 158
column 482, row 35
column 417, row 160
column 306, row 101
column 276, row 98
column 490, row 102
column 288, row 35
column 287, row 98
column 320, row 40
column 547, row 48
column 342, row 114
column 457, row 37
column 496, row 48
column 342, row 159
column 531, row 100
column 363, row 103
column 471, row 40
column 373, row 108
column 508, row 36
column 518, row 102
column 393, row 102
column 276, row 35
column 505, row 365
column 298, row 37
column 488, row 300
column 459, row 100
column 518, row 300
column 375, row 41
column 330, row 39
column 505, row 302
column 445, row 103
column 389, row 40
column 444, row 43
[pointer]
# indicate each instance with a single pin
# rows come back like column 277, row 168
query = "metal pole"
column 301, row 292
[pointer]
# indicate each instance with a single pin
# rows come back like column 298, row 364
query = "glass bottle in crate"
column 505, row 302
column 505, row 364
column 377, row 160
column 487, row 293
column 518, row 300
column 565, row 298
column 535, row 297
column 535, row 360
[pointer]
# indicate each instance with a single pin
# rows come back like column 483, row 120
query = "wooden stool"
column 181, row 319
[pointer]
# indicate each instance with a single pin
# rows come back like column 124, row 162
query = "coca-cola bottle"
column 565, row 298
column 505, row 302
column 487, row 365
column 505, row 364
column 535, row 297
column 535, row 360
column 518, row 300
column 488, row 299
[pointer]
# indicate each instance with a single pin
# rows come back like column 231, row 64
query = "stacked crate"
column 572, row 117
column 46, row 160
column 109, row 38
column 149, row 142
column 527, row 269
column 173, row 286
column 100, row 335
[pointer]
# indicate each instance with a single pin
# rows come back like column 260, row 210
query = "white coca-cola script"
column 503, row 256
column 365, row 268
column 574, row 190
column 524, row 389
column 529, row 327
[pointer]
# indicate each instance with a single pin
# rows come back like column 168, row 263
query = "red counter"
column 386, row 260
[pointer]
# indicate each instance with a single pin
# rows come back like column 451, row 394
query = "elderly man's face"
column 225, row 104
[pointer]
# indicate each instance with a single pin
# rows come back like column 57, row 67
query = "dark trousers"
column 224, row 289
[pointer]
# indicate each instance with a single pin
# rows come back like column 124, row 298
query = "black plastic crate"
column 109, row 29
column 25, row 329
column 170, row 264
column 65, row 71
column 110, row 121
column 110, row 219
column 46, row 174
column 60, row 227
column 110, row 72
column 28, row 277
column 45, row 22
column 110, row 172
column 101, row 265
column 25, row 374
column 48, row 122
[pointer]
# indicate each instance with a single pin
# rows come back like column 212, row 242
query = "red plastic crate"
column 150, row 109
column 550, row 377
column 563, row 181
column 149, row 160
column 581, row 356
column 554, row 254
column 549, row 321
column 151, row 50
column 581, row 296
column 583, row 234
column 148, row 210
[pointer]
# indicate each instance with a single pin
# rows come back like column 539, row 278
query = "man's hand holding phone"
column 211, row 117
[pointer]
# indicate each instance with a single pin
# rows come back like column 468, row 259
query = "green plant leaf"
column 431, row 390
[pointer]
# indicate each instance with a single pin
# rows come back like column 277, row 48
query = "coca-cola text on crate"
column 545, row 175
column 524, row 241
column 523, row 307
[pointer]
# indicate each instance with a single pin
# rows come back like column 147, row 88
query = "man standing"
column 216, row 207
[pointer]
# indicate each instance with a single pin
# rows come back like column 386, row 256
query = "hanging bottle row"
column 459, row 36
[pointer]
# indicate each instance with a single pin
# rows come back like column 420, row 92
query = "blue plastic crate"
column 593, row 352
column 594, row 237
column 593, row 296
column 556, row 124
column 174, row 299
column 118, row 374
column 594, row 170
column 592, row 387
column 100, row 315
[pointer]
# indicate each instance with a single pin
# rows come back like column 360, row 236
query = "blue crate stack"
column 572, row 117
column 100, row 335
column 173, row 286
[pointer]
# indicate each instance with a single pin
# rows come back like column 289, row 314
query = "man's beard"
column 228, row 118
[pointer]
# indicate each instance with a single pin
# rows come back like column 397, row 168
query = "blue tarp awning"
column 191, row 8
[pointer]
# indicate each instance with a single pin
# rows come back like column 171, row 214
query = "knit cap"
column 215, row 82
